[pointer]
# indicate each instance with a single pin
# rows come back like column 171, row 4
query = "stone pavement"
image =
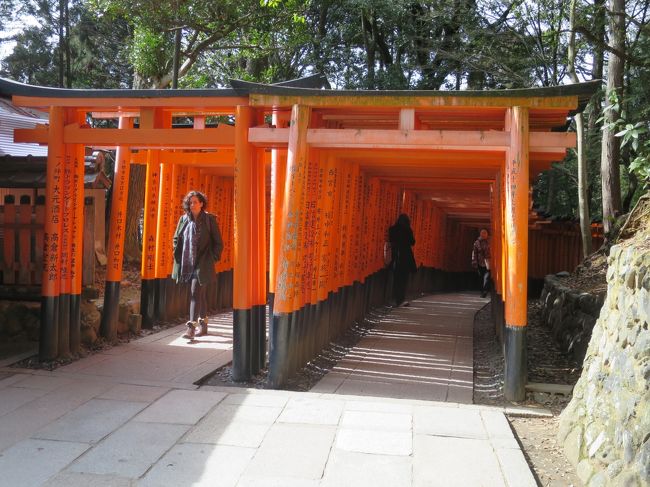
column 116, row 419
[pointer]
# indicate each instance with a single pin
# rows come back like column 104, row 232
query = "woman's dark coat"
column 401, row 242
column 208, row 249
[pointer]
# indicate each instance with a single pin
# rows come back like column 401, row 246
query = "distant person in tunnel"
column 481, row 260
column 401, row 240
column 197, row 246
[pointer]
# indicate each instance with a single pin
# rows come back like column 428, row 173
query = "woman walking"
column 401, row 242
column 197, row 246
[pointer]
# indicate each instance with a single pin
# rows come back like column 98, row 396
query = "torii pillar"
column 516, row 236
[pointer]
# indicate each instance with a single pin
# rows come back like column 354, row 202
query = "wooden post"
column 49, row 334
column 77, row 248
column 148, row 269
column 9, row 240
column 164, row 227
column 516, row 278
column 88, row 232
column 258, row 270
column 278, row 177
column 24, row 218
column 67, row 213
column 287, row 286
column 115, row 251
column 39, row 220
column 243, row 272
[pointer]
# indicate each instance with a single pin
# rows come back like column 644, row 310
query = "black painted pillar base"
column 498, row 310
column 279, row 350
column 75, row 323
column 161, row 299
column 260, row 324
column 64, row 326
column 110, row 313
column 48, row 345
column 515, row 376
column 255, row 340
column 241, row 344
column 148, row 302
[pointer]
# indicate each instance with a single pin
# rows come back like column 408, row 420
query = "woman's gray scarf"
column 191, row 236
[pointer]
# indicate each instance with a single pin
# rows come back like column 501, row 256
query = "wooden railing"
column 21, row 234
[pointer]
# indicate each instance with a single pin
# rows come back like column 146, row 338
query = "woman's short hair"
column 200, row 196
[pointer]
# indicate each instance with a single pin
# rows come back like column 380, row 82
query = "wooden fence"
column 21, row 245
column 557, row 246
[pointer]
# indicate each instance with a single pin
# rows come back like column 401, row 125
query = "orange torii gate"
column 341, row 166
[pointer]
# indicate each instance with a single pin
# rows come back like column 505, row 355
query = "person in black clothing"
column 401, row 240
column 481, row 260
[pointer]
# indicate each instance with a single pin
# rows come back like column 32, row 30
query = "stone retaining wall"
column 570, row 314
column 605, row 429
column 21, row 321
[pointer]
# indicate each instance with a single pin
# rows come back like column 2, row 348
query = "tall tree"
column 583, row 201
column 611, row 145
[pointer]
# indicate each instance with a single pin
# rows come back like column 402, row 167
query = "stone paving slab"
column 131, row 450
column 443, row 461
column 75, row 479
column 91, row 421
column 11, row 398
column 310, row 410
column 199, row 466
column 275, row 481
column 234, row 425
column 9, row 378
column 21, row 423
column 431, row 420
column 375, row 442
column 350, row 469
column 134, row 393
column 385, row 421
column 181, row 407
column 292, row 450
column 32, row 462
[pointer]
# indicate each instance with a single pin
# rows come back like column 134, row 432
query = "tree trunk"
column 583, row 201
column 68, row 53
column 583, row 183
column 61, row 43
column 598, row 61
column 177, row 57
column 369, row 45
column 321, row 31
column 137, row 179
column 611, row 145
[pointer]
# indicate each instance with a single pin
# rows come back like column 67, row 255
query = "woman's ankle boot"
column 203, row 328
column 191, row 325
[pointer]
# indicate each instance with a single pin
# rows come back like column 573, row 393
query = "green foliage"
column 150, row 52
column 33, row 59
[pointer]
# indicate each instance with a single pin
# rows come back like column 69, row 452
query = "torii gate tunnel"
column 304, row 186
